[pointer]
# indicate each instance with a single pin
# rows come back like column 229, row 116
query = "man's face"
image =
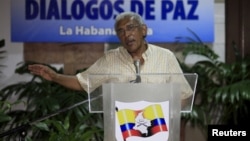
column 131, row 34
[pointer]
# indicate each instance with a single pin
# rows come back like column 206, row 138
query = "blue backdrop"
column 93, row 20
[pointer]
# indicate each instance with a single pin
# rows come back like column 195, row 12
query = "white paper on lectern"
column 156, row 110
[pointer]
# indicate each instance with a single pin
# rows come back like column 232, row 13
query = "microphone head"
column 137, row 70
column 137, row 65
column 137, row 62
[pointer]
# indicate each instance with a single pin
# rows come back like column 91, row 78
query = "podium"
column 148, row 110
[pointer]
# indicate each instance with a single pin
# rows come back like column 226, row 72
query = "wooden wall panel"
column 237, row 27
column 73, row 56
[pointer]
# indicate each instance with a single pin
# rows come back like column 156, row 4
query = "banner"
column 93, row 20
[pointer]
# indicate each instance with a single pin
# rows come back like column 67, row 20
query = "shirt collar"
column 145, row 55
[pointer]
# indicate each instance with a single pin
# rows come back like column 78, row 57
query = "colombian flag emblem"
column 142, row 124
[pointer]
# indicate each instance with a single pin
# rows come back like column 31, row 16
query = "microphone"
column 137, row 64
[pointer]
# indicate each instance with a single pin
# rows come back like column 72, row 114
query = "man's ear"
column 144, row 30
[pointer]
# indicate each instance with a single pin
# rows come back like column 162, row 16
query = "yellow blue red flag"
column 144, row 123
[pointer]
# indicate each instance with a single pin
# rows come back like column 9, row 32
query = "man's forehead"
column 125, row 21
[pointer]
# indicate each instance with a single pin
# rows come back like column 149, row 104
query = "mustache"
column 129, row 39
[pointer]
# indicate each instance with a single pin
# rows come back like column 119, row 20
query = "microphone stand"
column 23, row 128
column 137, row 70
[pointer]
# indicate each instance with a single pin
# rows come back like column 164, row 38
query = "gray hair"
column 134, row 16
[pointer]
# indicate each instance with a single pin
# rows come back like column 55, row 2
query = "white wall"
column 219, row 44
column 15, row 50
